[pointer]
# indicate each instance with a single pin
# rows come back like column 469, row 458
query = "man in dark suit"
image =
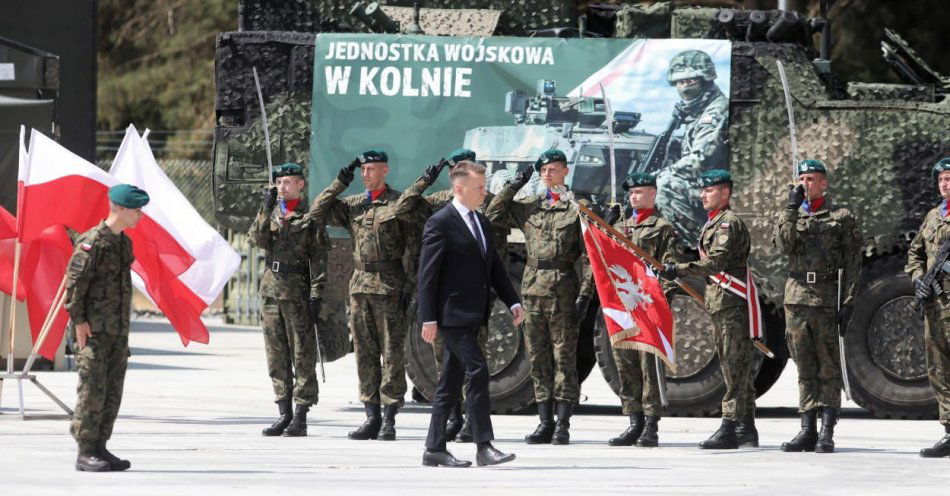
column 457, row 266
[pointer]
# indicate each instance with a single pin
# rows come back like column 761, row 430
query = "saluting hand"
column 429, row 332
column 83, row 332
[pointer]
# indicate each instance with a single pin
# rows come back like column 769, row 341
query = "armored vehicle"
column 878, row 140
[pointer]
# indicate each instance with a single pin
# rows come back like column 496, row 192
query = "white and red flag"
column 635, row 310
column 745, row 289
column 185, row 270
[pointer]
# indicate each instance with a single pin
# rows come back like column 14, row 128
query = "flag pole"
column 54, row 309
column 661, row 380
column 16, row 278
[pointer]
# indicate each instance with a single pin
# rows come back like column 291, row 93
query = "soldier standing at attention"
column 934, row 231
column 379, row 288
column 458, row 427
column 819, row 239
column 295, row 274
column 724, row 246
column 555, row 299
column 99, row 303
column 639, row 388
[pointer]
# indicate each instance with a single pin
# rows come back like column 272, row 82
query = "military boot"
column 826, row 442
column 116, row 464
column 806, row 439
column 746, row 433
column 454, row 424
column 388, row 431
column 277, row 428
column 542, row 435
column 723, row 438
column 941, row 449
column 629, row 436
column 465, row 435
column 370, row 428
column 649, row 438
column 298, row 426
column 89, row 460
column 562, row 433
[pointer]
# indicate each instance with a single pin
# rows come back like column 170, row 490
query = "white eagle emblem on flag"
column 629, row 291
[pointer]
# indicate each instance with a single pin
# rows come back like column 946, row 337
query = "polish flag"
column 210, row 259
column 635, row 310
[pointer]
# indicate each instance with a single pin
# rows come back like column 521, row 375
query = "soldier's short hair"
column 465, row 167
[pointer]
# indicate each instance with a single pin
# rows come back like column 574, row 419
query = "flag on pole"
column 635, row 310
column 210, row 259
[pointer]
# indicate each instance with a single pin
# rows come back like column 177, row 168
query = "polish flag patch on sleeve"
column 86, row 246
column 724, row 225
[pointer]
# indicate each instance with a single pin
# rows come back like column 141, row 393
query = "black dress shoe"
column 442, row 459
column 489, row 455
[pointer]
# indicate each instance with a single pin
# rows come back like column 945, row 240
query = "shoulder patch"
column 724, row 225
column 706, row 119
column 85, row 246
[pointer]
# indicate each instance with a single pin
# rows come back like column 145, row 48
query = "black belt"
column 378, row 266
column 549, row 264
column 279, row 267
column 811, row 277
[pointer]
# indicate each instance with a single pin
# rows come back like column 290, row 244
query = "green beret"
column 639, row 179
column 460, row 155
column 128, row 196
column 288, row 169
column 373, row 156
column 714, row 177
column 811, row 165
column 942, row 165
column 549, row 156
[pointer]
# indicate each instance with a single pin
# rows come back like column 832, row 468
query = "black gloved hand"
column 432, row 172
column 668, row 271
column 613, row 214
column 844, row 318
column 796, row 196
column 922, row 291
column 580, row 308
column 270, row 198
column 522, row 177
column 346, row 173
column 313, row 306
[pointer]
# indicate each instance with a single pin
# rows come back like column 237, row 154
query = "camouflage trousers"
column 812, row 338
column 101, row 365
column 937, row 341
column 438, row 349
column 551, row 339
column 639, row 389
column 290, row 344
column 377, row 325
column 736, row 360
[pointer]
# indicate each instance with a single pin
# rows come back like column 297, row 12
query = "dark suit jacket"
column 454, row 277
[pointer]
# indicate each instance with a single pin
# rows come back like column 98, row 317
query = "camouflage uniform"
column 297, row 247
column 639, row 390
column 725, row 242
column 383, row 276
column 549, row 288
column 705, row 121
column 99, row 292
column 817, row 245
column 933, row 232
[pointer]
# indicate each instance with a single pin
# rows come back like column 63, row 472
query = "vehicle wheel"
column 884, row 346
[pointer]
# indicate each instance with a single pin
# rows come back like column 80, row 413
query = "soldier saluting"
column 639, row 388
column 295, row 274
column 379, row 288
column 555, row 299
column 724, row 246
column 819, row 239
column 933, row 233
column 99, row 303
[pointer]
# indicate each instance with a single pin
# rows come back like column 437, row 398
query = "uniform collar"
column 378, row 195
column 819, row 205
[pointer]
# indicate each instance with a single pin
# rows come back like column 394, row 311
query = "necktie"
column 478, row 233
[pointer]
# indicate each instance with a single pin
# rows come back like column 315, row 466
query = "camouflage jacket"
column 657, row 237
column 379, row 236
column 99, row 284
column 924, row 248
column 299, row 240
column 704, row 136
column 817, row 245
column 553, row 235
column 412, row 202
column 724, row 245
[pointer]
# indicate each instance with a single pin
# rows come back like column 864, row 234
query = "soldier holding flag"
column 639, row 386
column 819, row 239
column 724, row 246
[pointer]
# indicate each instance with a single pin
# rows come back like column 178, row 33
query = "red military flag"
column 635, row 310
